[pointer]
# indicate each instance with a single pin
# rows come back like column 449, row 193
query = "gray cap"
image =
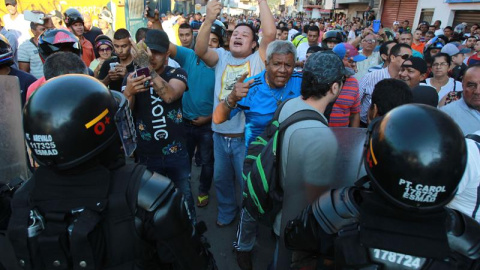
column 326, row 66
column 451, row 49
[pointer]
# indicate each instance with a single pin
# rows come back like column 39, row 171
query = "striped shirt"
column 347, row 103
column 367, row 84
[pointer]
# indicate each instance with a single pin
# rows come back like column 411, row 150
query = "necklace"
column 272, row 92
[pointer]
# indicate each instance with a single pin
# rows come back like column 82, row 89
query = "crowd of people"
column 202, row 87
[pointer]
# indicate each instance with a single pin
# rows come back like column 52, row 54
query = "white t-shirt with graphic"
column 227, row 72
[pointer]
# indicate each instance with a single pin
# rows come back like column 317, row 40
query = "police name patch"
column 419, row 192
column 42, row 145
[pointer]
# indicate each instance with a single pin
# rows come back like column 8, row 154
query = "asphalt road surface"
column 221, row 239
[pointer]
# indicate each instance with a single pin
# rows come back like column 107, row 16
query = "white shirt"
column 447, row 87
column 19, row 27
column 291, row 33
column 302, row 51
column 366, row 86
column 467, row 200
column 439, row 32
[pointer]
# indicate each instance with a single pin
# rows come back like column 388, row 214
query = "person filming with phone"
column 114, row 70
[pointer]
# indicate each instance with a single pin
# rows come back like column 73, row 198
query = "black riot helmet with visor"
column 415, row 157
column 72, row 118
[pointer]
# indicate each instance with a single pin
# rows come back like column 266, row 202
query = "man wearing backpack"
column 83, row 208
column 258, row 97
column 307, row 148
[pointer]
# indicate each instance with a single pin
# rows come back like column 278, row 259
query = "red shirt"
column 419, row 48
column 34, row 86
column 88, row 55
column 474, row 59
column 347, row 103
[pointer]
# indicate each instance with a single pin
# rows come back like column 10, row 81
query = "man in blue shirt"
column 197, row 22
column 259, row 96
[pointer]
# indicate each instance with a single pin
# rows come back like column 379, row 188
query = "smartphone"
column 142, row 71
column 376, row 26
column 113, row 65
column 152, row 5
column 33, row 17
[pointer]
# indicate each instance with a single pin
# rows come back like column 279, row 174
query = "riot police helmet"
column 55, row 40
column 415, row 157
column 72, row 118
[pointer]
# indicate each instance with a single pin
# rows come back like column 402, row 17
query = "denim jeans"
column 229, row 154
column 201, row 137
column 177, row 168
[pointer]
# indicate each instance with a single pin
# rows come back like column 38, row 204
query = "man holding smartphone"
column 114, row 70
column 197, row 103
column 157, row 110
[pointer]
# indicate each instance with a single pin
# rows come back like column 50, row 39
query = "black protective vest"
column 389, row 238
column 101, row 236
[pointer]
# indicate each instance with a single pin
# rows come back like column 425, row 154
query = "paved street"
column 221, row 239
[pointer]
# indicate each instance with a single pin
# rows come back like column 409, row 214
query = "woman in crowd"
column 447, row 88
column 104, row 47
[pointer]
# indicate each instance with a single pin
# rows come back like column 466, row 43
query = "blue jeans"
column 177, row 168
column 229, row 154
column 201, row 137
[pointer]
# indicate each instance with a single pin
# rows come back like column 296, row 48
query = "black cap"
column 157, row 40
column 417, row 63
column 425, row 94
column 314, row 49
column 326, row 66
column 10, row 2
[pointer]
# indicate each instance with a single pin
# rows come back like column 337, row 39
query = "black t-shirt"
column 159, row 126
column 458, row 72
column 91, row 36
column 114, row 85
column 25, row 80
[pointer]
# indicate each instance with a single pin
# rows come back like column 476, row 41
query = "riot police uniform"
column 84, row 208
column 415, row 157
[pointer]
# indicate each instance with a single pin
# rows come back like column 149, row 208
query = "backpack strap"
column 301, row 115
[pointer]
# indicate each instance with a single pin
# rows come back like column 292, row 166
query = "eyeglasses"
column 370, row 41
column 403, row 56
column 105, row 49
column 443, row 64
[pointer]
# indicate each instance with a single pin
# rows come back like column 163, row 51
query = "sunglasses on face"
column 403, row 56
column 105, row 49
